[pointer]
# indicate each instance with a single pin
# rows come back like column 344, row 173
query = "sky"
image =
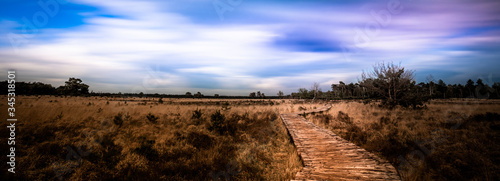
column 234, row 47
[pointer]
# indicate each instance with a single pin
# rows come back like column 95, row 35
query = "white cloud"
column 117, row 53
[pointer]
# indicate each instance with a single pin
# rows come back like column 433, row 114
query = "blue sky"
column 233, row 47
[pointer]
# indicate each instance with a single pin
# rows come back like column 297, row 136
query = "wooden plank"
column 327, row 156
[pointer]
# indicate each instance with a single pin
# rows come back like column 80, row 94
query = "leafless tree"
column 315, row 89
column 388, row 80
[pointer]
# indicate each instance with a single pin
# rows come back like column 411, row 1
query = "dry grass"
column 89, row 138
column 449, row 140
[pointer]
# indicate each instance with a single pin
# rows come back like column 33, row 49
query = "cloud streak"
column 269, row 46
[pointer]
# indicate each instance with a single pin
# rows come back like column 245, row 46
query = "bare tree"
column 315, row 89
column 389, row 80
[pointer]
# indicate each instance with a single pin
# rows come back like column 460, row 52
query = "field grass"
column 99, row 138
column 449, row 140
column 89, row 138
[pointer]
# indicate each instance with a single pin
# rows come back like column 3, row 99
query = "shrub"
column 118, row 119
column 199, row 140
column 152, row 118
column 197, row 114
column 59, row 116
column 344, row 117
column 217, row 122
column 221, row 125
column 146, row 149
column 356, row 134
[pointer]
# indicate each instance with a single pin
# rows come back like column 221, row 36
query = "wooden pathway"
column 327, row 156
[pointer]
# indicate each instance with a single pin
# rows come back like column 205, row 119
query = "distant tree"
column 470, row 88
column 496, row 88
column 350, row 89
column 280, row 94
column 263, row 95
column 394, row 84
column 483, row 91
column 303, row 93
column 198, row 95
column 335, row 90
column 189, row 95
column 449, row 91
column 459, row 91
column 259, row 95
column 252, row 95
column 342, row 88
column 315, row 89
column 430, row 82
column 74, row 87
column 216, row 95
column 141, row 94
column 441, row 89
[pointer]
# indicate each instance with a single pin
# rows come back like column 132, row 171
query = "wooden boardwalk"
column 327, row 156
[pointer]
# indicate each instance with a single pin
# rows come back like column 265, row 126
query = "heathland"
column 99, row 138
column 104, row 138
column 451, row 139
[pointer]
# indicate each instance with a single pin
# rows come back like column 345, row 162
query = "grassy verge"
column 449, row 140
column 111, row 139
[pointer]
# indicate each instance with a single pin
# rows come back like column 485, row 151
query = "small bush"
column 356, row 134
column 152, row 118
column 199, row 140
column 146, row 149
column 59, row 116
column 118, row 119
column 217, row 122
column 197, row 114
column 221, row 125
column 344, row 117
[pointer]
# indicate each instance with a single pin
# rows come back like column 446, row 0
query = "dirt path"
column 327, row 156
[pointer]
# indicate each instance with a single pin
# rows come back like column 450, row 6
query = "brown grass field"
column 89, row 138
column 99, row 138
column 455, row 139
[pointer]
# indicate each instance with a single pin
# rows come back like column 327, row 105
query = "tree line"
column 395, row 85
column 389, row 82
column 72, row 87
